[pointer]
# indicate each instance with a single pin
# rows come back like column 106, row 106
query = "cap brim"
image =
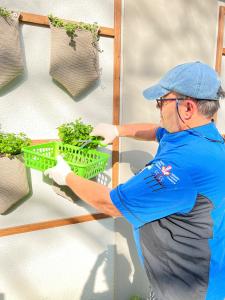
column 154, row 92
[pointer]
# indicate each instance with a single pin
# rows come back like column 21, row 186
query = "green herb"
column 135, row 298
column 72, row 27
column 4, row 12
column 12, row 144
column 74, row 133
column 56, row 22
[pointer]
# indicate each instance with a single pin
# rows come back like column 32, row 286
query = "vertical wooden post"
column 116, row 88
column 219, row 51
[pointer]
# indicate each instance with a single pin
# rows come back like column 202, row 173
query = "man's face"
column 168, row 114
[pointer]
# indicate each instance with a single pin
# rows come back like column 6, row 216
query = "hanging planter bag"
column 11, row 61
column 13, row 181
column 74, row 61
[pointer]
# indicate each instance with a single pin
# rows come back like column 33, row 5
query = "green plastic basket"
column 83, row 162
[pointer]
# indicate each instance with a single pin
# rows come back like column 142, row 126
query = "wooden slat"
column 116, row 88
column 29, row 18
column 50, row 224
column 34, row 19
column 220, row 34
column 106, row 32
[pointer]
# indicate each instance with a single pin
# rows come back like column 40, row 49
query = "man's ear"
column 190, row 109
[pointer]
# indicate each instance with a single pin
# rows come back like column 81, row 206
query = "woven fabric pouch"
column 11, row 58
column 74, row 63
column 13, row 182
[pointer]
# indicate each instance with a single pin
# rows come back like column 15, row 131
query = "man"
column 176, row 204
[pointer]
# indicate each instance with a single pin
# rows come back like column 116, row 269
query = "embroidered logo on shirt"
column 166, row 170
column 156, row 180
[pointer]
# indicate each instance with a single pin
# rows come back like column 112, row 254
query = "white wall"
column 70, row 262
column 56, row 263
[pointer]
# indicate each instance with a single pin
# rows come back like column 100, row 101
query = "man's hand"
column 59, row 172
column 107, row 131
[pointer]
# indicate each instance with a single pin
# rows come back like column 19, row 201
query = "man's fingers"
column 59, row 159
column 48, row 173
column 95, row 132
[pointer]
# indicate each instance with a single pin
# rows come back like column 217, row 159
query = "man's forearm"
column 145, row 131
column 93, row 193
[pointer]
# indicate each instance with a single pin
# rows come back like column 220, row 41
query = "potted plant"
column 13, row 180
column 74, row 61
column 11, row 58
column 78, row 134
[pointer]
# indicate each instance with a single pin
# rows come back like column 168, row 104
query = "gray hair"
column 209, row 107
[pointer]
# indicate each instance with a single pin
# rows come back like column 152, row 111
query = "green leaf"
column 135, row 297
column 4, row 12
column 71, row 28
column 12, row 144
column 74, row 133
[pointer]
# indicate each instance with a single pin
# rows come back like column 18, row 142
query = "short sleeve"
column 159, row 190
column 160, row 133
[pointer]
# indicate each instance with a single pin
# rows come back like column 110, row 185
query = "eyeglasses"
column 161, row 100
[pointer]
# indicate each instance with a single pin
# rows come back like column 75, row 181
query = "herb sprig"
column 72, row 27
column 74, row 132
column 12, row 144
column 4, row 12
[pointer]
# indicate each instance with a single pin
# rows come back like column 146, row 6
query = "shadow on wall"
column 83, row 94
column 130, row 282
column 103, row 261
column 2, row 296
column 137, row 159
column 164, row 36
column 139, row 281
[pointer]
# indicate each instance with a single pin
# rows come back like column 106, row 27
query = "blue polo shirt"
column 176, row 205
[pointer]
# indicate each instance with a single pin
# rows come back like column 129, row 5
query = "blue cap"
column 196, row 80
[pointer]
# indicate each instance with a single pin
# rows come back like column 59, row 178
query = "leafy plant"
column 71, row 28
column 135, row 297
column 12, row 144
column 76, row 133
column 4, row 12
column 56, row 22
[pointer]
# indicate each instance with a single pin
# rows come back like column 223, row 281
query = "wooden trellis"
column 220, row 51
column 114, row 33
